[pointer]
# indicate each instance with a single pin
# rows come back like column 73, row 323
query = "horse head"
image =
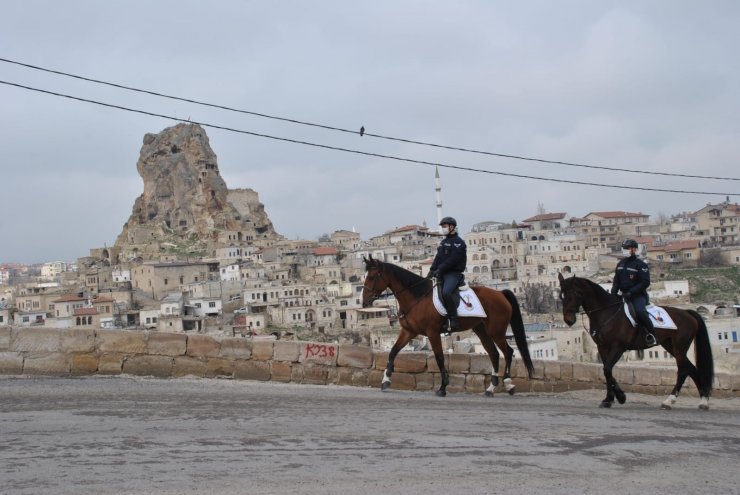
column 571, row 297
column 375, row 281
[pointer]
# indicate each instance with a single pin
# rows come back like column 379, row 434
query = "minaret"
column 438, row 190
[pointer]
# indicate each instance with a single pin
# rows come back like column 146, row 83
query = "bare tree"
column 538, row 298
column 710, row 257
column 541, row 208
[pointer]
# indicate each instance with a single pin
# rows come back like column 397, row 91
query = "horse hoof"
column 385, row 386
column 621, row 398
column 441, row 393
column 704, row 407
column 511, row 391
column 605, row 404
column 665, row 406
column 488, row 393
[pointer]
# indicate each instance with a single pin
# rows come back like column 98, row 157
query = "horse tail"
column 517, row 326
column 703, row 354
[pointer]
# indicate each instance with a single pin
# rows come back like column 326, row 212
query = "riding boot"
column 454, row 322
column 647, row 325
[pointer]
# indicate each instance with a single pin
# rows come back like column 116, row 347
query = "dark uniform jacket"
column 452, row 255
column 633, row 275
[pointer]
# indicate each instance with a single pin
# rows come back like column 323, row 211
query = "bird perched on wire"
column 362, row 131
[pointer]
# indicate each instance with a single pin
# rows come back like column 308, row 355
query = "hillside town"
column 198, row 257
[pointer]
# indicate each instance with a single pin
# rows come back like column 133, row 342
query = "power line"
column 379, row 136
column 365, row 153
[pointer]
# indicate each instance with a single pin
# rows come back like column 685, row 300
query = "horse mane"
column 414, row 283
column 595, row 288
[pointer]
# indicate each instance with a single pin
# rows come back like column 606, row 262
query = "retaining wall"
column 64, row 352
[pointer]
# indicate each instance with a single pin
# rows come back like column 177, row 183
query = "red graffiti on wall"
column 319, row 351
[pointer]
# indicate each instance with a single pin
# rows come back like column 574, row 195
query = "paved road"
column 136, row 435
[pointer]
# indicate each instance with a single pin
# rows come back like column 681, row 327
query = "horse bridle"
column 594, row 331
column 374, row 294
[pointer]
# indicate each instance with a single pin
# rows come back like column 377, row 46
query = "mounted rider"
column 632, row 278
column 448, row 267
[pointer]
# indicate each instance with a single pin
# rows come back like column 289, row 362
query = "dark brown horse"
column 614, row 334
column 418, row 316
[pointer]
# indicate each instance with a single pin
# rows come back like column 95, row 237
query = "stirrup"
column 449, row 324
column 650, row 339
column 447, row 328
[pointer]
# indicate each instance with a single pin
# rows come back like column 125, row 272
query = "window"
column 212, row 304
column 197, row 305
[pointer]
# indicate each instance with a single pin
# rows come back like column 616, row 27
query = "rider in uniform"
column 448, row 267
column 632, row 277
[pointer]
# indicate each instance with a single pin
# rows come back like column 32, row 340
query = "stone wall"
column 64, row 352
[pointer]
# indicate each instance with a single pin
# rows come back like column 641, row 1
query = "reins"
column 384, row 294
column 595, row 331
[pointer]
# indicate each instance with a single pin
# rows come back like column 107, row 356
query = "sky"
column 650, row 86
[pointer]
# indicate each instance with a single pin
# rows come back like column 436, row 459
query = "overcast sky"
column 640, row 85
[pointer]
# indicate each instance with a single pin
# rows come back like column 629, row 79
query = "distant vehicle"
column 241, row 311
column 235, row 297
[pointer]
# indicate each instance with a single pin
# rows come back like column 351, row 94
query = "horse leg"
column 508, row 358
column 403, row 338
column 439, row 357
column 685, row 369
column 493, row 355
column 609, row 359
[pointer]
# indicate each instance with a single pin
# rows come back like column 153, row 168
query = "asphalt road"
column 128, row 435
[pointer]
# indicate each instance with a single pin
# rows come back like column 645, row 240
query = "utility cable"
column 365, row 153
column 379, row 136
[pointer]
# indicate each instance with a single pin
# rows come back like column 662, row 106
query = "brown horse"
column 614, row 334
column 418, row 316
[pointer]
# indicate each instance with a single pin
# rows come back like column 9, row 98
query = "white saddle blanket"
column 660, row 317
column 469, row 304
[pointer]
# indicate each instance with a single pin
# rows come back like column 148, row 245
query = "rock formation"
column 186, row 208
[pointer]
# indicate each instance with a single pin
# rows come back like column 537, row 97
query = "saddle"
column 659, row 316
column 469, row 305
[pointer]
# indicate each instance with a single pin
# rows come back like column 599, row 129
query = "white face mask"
column 445, row 230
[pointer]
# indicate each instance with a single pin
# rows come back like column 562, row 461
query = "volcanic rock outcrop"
column 186, row 208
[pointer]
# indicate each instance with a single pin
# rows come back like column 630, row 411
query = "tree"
column 541, row 208
column 710, row 257
column 538, row 298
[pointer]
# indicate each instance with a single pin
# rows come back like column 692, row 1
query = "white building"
column 53, row 269
column 121, row 275
column 230, row 272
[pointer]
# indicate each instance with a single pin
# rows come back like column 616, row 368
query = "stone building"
column 720, row 223
column 158, row 279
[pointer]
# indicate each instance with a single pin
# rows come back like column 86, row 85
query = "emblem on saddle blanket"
column 469, row 304
column 660, row 317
